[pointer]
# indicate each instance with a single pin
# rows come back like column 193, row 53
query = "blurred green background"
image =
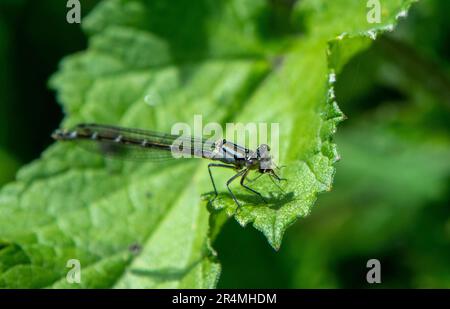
column 391, row 195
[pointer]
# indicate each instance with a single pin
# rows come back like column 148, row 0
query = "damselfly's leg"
column 230, row 181
column 254, row 179
column 212, row 179
column 277, row 185
column 250, row 189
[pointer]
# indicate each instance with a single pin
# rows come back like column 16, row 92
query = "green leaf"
column 303, row 90
column 141, row 225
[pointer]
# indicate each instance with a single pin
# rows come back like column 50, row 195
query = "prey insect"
column 137, row 143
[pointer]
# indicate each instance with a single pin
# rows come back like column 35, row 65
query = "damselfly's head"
column 264, row 158
column 266, row 164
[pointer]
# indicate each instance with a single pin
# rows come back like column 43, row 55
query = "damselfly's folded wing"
column 134, row 144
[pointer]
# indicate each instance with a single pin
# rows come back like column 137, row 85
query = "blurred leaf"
column 213, row 59
column 428, row 31
column 378, row 205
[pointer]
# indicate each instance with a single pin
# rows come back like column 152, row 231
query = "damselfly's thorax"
column 232, row 153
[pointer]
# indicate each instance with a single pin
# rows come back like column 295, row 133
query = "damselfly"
column 133, row 143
